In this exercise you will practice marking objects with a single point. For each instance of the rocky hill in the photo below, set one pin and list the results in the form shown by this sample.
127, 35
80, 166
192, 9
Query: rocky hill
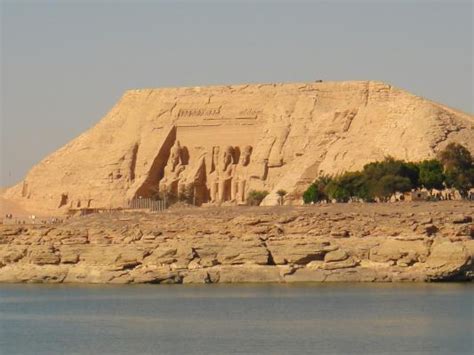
219, 142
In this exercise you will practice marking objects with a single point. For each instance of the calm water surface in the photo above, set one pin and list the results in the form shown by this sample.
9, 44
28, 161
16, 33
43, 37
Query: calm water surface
237, 319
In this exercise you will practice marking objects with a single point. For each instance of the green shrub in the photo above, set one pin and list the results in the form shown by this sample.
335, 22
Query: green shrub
382, 179
431, 174
254, 197
458, 168
317, 190
388, 185
390, 166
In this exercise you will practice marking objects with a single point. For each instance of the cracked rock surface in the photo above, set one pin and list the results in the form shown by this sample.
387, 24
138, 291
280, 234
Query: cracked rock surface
383, 242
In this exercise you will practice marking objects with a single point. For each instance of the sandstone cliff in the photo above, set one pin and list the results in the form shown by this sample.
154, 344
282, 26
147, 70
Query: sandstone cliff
221, 141
349, 242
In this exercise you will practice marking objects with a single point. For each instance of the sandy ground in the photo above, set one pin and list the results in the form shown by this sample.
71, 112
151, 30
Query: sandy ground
393, 211
418, 208
331, 208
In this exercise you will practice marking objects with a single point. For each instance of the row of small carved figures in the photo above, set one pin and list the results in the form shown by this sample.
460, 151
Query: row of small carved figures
197, 112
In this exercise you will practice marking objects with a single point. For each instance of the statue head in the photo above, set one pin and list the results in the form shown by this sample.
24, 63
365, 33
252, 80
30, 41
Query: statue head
245, 157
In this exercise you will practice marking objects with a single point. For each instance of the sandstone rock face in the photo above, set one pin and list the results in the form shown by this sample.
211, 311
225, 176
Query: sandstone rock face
242, 244
219, 142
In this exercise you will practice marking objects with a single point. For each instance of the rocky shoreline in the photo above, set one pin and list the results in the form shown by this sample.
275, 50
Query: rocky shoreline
336, 242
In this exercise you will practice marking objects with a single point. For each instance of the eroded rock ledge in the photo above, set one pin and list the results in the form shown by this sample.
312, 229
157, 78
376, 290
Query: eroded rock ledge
353, 242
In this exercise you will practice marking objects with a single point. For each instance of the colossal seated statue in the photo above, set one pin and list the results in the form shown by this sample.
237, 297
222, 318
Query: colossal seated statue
172, 172
221, 177
192, 184
240, 176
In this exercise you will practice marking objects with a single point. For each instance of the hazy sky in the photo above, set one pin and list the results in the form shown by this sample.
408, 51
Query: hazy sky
65, 63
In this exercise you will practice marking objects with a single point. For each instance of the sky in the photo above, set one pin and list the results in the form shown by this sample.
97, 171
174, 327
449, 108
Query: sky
65, 63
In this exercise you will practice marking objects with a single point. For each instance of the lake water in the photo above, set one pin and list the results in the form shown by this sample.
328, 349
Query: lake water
237, 319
